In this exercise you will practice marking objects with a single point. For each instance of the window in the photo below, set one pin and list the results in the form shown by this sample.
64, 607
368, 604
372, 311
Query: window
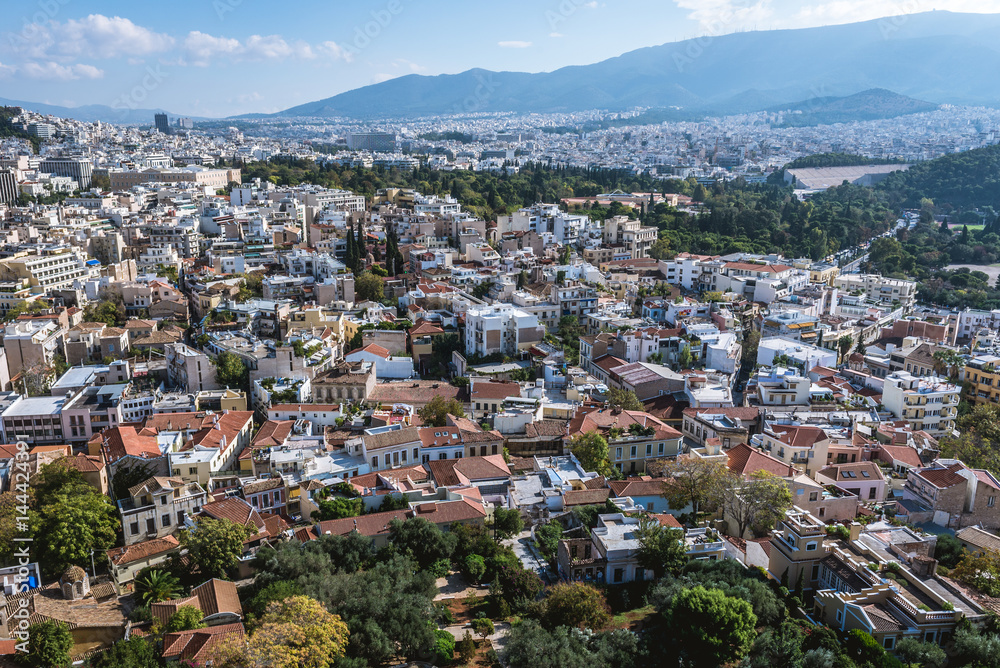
840, 615
618, 453
619, 574
150, 525
133, 528
810, 546
815, 572
633, 451
814, 496
649, 449
890, 643
193, 470
640, 574
165, 520
163, 500
871, 493
661, 448
990, 501
180, 518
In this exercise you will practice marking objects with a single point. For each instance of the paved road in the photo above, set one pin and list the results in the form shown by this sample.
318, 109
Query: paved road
525, 551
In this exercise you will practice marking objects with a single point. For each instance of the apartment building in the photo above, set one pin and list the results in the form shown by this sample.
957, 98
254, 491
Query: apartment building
802, 446
878, 288
953, 495
189, 369
927, 404
50, 269
158, 507
32, 343
632, 235
982, 375
500, 328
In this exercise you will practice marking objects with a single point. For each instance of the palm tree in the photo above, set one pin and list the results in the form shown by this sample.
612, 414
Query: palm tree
157, 585
948, 361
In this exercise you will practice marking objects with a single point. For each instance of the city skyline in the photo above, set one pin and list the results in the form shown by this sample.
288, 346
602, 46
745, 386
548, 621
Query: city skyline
56, 54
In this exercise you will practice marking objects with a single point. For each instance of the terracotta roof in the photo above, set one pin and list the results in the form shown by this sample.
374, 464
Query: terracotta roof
856, 471
798, 436
84, 463
124, 441
597, 482
162, 611
143, 550
585, 497
273, 433
414, 391
235, 510
599, 419
264, 485
668, 520
636, 487
446, 512
979, 538
495, 390
217, 596
745, 460
375, 524
943, 477
451, 472
392, 438
374, 349
195, 646
882, 619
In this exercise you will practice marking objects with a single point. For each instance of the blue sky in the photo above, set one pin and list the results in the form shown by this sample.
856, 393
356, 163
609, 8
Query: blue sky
223, 57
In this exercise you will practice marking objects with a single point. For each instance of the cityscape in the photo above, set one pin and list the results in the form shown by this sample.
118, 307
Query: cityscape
533, 349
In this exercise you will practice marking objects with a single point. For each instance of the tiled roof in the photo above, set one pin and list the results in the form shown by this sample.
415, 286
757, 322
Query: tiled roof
123, 441
84, 463
195, 646
217, 596
495, 390
802, 436
599, 419
636, 487
882, 619
374, 349
745, 460
585, 497
854, 472
147, 548
979, 538
235, 510
451, 472
410, 392
263, 485
446, 512
273, 433
668, 520
943, 477
393, 438
374, 524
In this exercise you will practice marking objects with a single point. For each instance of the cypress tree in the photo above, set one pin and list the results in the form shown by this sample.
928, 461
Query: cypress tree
350, 257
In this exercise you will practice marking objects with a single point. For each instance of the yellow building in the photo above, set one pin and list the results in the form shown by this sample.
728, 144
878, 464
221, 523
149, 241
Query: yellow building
982, 377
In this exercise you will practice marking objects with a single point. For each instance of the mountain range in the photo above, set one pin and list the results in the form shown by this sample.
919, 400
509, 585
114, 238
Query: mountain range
941, 57
932, 58
94, 112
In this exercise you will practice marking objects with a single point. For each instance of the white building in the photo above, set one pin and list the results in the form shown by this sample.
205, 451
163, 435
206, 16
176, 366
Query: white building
500, 328
798, 353
928, 404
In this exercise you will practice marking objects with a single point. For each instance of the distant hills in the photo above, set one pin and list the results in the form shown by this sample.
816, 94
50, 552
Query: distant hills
93, 112
830, 74
941, 57
868, 105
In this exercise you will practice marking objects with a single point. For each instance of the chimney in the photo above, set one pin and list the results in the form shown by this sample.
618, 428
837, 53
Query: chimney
855, 530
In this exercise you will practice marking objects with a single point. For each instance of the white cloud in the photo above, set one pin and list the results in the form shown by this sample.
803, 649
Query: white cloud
335, 52
201, 48
851, 11
6, 71
94, 36
514, 44
719, 17
384, 76
556, 34
58, 72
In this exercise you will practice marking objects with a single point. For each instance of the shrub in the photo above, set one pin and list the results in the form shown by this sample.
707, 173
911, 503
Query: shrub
444, 647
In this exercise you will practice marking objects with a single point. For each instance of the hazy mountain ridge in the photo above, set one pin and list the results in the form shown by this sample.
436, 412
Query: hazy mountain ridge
922, 56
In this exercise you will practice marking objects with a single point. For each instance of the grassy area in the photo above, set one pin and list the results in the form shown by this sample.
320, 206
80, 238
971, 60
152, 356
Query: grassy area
972, 228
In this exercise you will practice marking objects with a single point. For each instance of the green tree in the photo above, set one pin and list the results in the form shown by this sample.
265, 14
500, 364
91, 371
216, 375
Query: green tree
844, 344
231, 370
576, 604
475, 567
186, 618
136, 652
271, 593
49, 644
661, 549
444, 647
591, 449
507, 522
755, 504
369, 287
215, 546
421, 541
717, 629
483, 627
916, 654
948, 551
337, 508
981, 571
74, 520
685, 357
515, 586
466, 648
155, 585
436, 411
690, 480
625, 400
